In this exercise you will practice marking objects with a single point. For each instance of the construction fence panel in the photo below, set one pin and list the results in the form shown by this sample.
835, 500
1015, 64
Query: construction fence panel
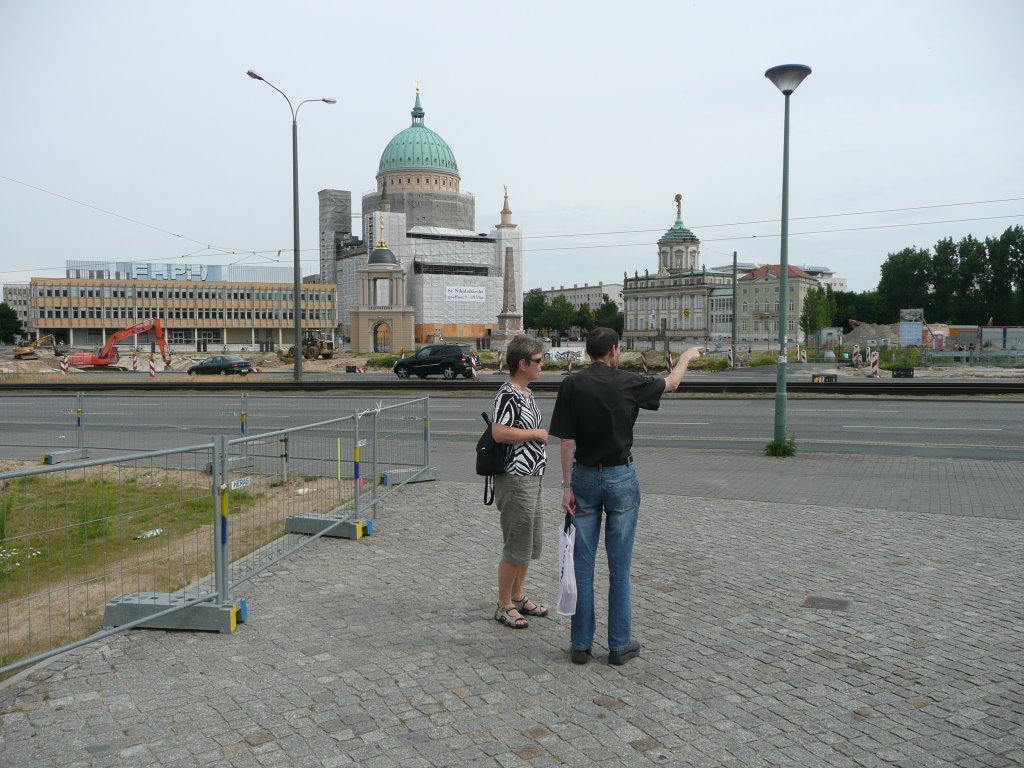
321, 479
163, 531
41, 425
74, 537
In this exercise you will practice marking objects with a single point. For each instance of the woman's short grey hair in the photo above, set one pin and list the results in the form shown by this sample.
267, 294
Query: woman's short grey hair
522, 348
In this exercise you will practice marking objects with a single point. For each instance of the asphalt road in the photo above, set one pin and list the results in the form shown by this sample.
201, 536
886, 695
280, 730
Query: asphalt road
975, 429
923, 427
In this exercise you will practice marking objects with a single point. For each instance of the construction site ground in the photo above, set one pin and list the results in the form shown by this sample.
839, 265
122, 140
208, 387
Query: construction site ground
268, 362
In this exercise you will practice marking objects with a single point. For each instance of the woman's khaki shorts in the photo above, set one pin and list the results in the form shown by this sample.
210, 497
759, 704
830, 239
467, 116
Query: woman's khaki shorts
522, 525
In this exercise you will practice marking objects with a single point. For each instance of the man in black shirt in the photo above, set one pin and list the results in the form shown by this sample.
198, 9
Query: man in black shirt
594, 417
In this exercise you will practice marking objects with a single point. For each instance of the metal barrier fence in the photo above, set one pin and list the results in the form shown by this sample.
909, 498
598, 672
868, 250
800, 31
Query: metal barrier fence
161, 538
35, 425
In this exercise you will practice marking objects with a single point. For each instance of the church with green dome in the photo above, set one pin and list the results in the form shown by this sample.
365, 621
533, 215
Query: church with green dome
451, 282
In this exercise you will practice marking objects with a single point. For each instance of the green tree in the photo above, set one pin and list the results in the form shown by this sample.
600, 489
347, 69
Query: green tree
1006, 257
945, 282
1002, 282
558, 315
584, 318
534, 304
608, 315
818, 309
831, 305
906, 276
855, 306
975, 274
10, 325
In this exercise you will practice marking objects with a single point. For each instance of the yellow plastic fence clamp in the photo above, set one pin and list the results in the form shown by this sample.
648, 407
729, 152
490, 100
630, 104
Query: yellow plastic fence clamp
233, 620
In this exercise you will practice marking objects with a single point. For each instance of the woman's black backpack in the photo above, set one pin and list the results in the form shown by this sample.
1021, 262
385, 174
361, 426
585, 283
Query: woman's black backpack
491, 459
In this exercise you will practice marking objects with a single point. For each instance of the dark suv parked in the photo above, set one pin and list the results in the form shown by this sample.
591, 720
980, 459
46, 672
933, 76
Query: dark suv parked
450, 360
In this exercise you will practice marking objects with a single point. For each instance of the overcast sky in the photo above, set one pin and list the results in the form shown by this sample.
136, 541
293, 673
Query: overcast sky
595, 114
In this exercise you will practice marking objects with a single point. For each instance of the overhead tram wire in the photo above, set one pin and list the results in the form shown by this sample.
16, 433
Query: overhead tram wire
125, 218
646, 244
791, 218
225, 251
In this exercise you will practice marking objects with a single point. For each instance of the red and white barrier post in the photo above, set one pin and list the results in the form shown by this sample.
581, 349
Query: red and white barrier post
874, 364
152, 365
64, 366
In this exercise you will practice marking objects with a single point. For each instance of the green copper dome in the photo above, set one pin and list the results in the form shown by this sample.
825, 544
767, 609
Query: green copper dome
418, 148
679, 233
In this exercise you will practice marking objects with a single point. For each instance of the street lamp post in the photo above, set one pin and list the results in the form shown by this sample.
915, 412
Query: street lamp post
297, 277
786, 78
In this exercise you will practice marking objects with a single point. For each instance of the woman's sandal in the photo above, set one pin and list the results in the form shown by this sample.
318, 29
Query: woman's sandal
506, 618
527, 607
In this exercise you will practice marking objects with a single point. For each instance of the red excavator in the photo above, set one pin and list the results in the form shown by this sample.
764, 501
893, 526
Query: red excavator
107, 356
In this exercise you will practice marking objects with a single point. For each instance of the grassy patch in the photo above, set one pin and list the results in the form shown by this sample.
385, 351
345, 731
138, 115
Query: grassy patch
382, 361
781, 448
764, 358
62, 529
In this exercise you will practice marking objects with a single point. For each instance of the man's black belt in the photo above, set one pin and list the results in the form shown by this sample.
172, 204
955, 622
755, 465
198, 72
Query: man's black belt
606, 464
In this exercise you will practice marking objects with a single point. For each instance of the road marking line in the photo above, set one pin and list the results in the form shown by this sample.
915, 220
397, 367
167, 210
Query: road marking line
641, 441
927, 429
838, 410
678, 423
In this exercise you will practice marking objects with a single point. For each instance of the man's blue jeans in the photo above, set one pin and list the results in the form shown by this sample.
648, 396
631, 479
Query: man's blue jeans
615, 492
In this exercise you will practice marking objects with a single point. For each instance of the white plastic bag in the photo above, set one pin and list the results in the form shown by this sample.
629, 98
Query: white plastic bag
566, 569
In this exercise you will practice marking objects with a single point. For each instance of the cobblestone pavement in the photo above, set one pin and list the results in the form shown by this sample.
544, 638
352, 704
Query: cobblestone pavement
384, 652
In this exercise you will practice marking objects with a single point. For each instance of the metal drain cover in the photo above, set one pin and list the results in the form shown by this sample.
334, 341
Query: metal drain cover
825, 603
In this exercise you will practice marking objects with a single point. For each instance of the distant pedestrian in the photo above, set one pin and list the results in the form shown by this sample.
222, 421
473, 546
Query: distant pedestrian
594, 416
516, 422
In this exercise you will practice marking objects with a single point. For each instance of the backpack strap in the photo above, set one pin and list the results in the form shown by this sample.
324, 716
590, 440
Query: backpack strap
488, 487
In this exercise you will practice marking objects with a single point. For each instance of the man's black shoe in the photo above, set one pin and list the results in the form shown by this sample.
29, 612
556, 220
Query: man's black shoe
631, 651
580, 657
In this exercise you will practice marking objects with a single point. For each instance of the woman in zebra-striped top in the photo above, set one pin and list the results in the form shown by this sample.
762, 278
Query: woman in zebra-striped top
517, 423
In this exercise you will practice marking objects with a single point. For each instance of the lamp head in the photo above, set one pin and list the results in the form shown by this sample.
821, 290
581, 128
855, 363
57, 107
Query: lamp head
788, 76
254, 75
329, 101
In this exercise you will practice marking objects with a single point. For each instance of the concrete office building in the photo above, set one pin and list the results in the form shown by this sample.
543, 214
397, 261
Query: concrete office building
201, 307
16, 296
591, 295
